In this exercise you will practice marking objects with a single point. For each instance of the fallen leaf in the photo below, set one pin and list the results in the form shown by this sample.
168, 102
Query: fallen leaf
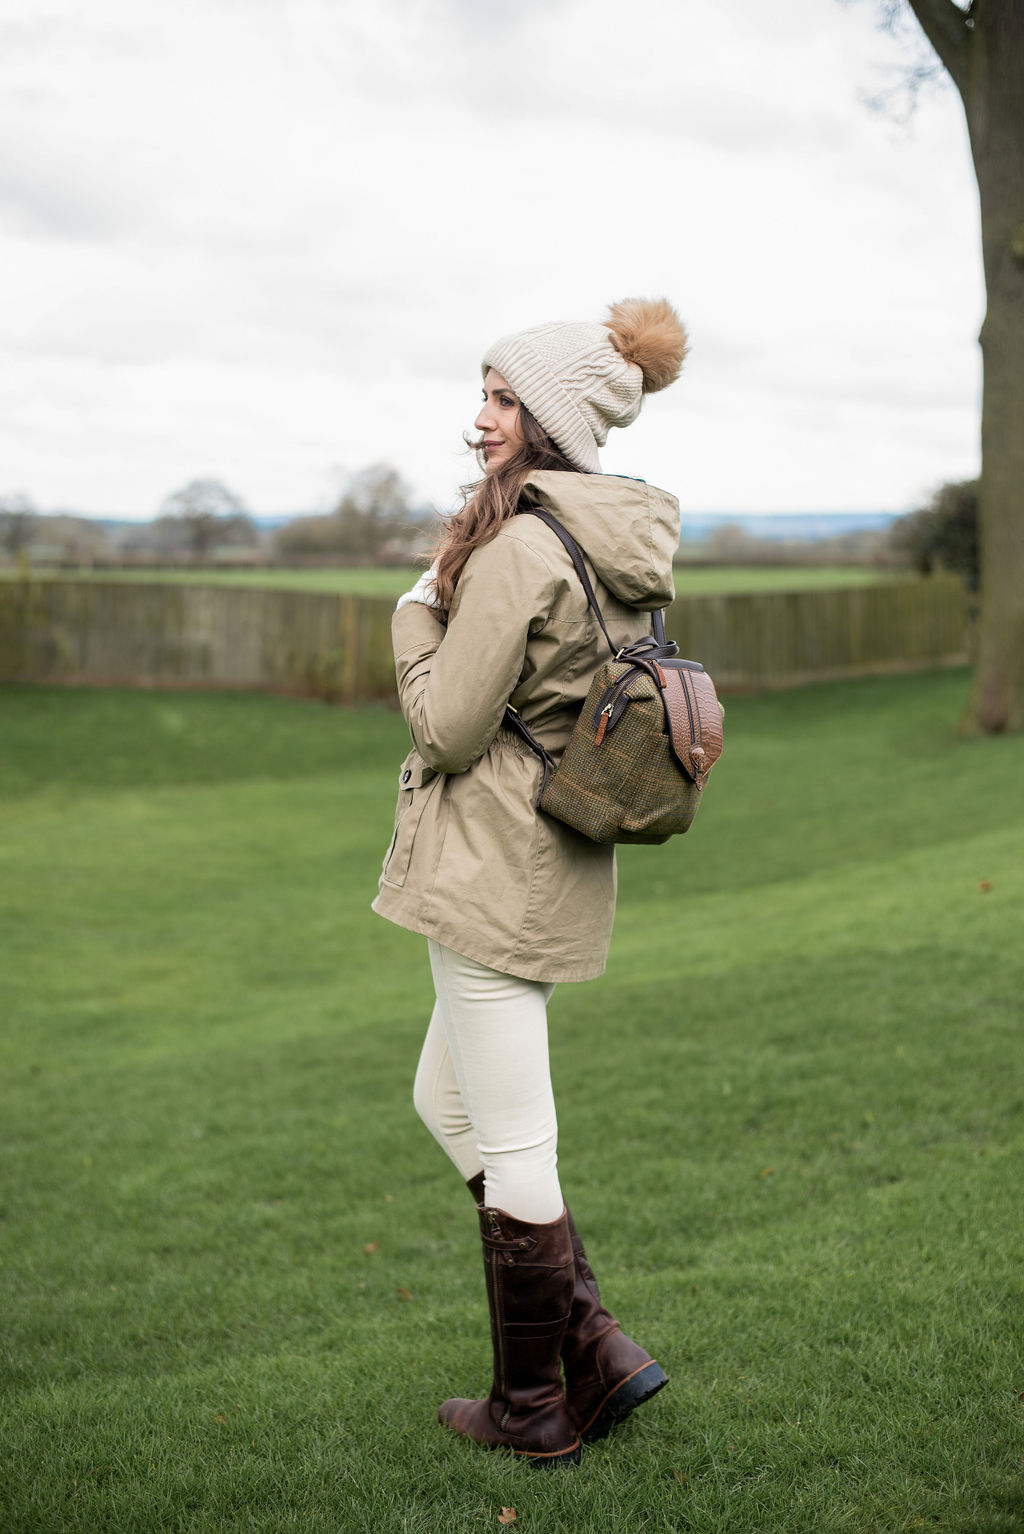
389, 1198
507, 1515
984, 886
681, 1478
403, 1294
371, 1246
220, 1417
768, 1171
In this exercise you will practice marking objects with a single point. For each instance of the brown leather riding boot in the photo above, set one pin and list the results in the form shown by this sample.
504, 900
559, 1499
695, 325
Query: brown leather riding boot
606, 1374
529, 1271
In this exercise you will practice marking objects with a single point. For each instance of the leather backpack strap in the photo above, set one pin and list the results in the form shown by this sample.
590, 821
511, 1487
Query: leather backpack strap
575, 553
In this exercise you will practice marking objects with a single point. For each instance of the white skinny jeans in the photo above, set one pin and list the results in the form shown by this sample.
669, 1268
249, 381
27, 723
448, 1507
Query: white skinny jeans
483, 1085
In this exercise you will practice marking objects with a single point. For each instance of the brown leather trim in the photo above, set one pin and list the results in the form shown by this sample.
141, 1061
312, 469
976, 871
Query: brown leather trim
694, 719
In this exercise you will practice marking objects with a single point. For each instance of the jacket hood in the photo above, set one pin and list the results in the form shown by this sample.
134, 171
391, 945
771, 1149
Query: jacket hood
628, 530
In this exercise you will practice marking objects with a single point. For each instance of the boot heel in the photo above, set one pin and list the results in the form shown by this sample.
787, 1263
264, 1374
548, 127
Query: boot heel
633, 1392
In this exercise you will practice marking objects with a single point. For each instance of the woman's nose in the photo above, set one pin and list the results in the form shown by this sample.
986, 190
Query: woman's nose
485, 419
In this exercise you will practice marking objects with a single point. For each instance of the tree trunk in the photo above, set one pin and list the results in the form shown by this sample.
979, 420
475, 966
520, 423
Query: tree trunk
983, 50
995, 119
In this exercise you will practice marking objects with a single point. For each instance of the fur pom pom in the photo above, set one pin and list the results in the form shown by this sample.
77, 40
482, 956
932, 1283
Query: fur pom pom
649, 332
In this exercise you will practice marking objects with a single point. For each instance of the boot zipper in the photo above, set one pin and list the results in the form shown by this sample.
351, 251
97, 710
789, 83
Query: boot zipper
499, 1330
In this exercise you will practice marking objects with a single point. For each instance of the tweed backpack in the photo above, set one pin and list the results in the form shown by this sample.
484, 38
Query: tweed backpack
648, 735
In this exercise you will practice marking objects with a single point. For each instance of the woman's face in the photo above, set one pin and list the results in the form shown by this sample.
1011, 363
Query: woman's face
498, 422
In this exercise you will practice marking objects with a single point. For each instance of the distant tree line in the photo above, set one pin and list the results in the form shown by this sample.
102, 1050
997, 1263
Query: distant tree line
731, 544
374, 522
942, 536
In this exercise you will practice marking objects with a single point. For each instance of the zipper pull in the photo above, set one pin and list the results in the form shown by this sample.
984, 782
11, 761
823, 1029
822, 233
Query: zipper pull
602, 724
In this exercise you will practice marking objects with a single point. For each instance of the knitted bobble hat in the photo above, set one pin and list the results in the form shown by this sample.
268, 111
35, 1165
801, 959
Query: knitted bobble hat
578, 380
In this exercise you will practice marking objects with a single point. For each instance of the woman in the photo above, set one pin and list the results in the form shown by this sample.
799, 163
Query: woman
510, 900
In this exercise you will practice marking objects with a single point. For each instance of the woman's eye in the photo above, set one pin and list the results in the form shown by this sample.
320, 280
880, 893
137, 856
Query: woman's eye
506, 403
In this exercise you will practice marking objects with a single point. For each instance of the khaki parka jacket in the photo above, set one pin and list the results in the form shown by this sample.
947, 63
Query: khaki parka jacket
472, 863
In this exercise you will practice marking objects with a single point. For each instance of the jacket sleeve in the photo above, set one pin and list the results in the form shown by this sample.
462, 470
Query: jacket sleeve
454, 681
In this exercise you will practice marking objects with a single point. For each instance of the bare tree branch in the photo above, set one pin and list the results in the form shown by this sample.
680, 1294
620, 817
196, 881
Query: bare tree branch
921, 71
947, 28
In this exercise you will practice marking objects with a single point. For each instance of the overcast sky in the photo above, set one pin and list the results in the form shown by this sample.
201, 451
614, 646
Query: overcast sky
268, 241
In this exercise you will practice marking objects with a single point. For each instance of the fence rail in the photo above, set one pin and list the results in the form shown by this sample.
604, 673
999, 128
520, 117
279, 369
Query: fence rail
760, 640
338, 647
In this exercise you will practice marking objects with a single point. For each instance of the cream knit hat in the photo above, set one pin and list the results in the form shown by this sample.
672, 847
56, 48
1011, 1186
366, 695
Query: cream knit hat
577, 380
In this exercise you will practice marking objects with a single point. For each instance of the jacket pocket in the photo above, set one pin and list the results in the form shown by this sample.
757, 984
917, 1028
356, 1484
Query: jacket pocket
416, 781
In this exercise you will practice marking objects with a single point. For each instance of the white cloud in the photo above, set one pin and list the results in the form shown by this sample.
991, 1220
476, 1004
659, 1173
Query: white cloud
257, 239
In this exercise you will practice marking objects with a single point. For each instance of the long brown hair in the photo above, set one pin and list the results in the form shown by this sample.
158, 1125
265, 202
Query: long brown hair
489, 502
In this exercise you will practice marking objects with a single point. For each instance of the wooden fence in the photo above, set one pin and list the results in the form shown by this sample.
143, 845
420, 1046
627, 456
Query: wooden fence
306, 642
339, 647
760, 640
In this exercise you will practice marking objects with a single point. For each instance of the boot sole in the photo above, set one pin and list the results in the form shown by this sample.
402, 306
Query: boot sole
625, 1398
538, 1461
552, 1461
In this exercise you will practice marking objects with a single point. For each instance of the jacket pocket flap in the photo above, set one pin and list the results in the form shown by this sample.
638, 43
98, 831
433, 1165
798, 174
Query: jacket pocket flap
415, 772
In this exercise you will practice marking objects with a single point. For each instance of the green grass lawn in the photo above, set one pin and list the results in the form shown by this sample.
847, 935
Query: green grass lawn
237, 1276
392, 581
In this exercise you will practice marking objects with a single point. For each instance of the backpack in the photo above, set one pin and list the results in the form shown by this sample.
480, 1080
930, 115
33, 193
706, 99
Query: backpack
648, 735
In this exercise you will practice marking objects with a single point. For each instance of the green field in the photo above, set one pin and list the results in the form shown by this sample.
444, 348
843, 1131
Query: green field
392, 581
237, 1276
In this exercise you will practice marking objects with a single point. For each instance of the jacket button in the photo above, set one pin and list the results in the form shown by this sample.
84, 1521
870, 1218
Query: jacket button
406, 775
